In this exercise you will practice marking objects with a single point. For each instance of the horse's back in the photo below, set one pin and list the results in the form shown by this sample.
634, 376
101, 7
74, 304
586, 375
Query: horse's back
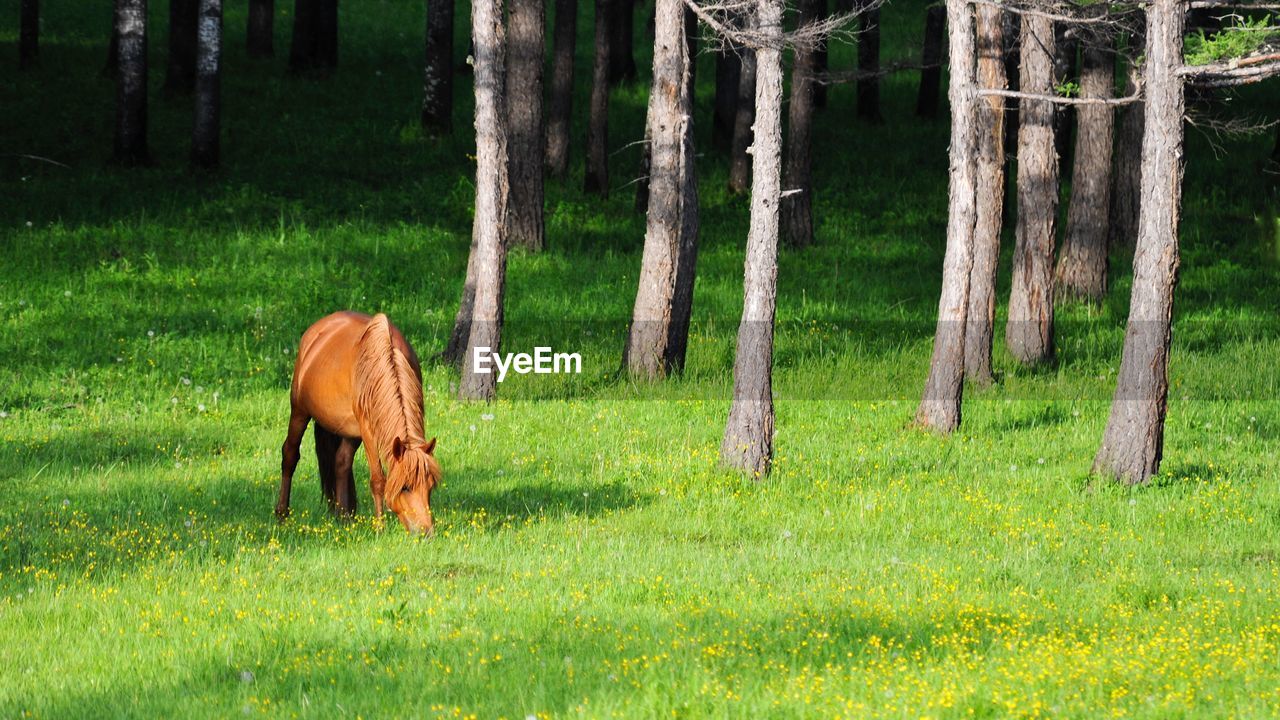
322, 374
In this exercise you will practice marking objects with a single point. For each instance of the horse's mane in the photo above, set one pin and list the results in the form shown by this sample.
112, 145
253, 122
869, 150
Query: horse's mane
387, 390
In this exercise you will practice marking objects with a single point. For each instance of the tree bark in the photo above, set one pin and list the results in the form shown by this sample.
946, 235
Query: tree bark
940, 407
437, 73
931, 58
622, 57
180, 76
989, 211
1066, 51
728, 72
797, 207
456, 346
743, 121
1082, 262
131, 82
261, 31
302, 49
205, 137
1126, 177
869, 60
1029, 332
526, 43
748, 434
1133, 442
488, 244
29, 34
597, 175
658, 336
560, 108
821, 60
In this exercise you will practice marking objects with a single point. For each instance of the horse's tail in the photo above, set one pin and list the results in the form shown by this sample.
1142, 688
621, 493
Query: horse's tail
387, 391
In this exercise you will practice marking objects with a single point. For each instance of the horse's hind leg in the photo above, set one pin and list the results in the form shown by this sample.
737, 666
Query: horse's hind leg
346, 480
327, 445
289, 455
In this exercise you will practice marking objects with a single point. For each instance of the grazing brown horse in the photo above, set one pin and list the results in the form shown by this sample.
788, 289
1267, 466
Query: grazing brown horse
360, 381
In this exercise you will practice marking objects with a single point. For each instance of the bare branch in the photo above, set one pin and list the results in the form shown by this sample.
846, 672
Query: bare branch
1059, 99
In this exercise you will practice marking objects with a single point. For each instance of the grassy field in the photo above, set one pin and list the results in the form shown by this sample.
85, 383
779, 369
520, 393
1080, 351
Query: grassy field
591, 558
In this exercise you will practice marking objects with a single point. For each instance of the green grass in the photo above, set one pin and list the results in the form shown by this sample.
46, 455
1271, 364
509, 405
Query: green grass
592, 559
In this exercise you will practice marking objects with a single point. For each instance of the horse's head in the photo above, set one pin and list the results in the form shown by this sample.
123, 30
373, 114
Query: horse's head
412, 475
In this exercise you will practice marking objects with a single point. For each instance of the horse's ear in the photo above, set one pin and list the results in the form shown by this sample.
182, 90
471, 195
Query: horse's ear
397, 448
430, 446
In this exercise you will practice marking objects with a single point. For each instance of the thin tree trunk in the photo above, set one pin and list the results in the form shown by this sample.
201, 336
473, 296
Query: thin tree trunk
980, 317
743, 122
180, 76
1082, 262
29, 34
935, 21
437, 73
113, 52
261, 30
658, 336
488, 244
1012, 73
302, 49
456, 346
205, 137
797, 207
131, 82
560, 108
622, 58
597, 175
748, 434
728, 71
326, 29
821, 59
1133, 442
526, 43
1126, 177
1029, 332
940, 407
869, 61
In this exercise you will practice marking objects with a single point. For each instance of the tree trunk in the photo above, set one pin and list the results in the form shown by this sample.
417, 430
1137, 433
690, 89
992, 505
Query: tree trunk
1066, 50
869, 61
748, 434
29, 34
821, 60
797, 207
1029, 332
113, 52
489, 251
131, 82
1082, 262
456, 346
989, 211
743, 121
326, 29
437, 73
560, 108
526, 43
622, 57
302, 50
935, 20
261, 31
180, 77
1012, 71
205, 145
1126, 177
658, 336
597, 175
940, 407
1133, 442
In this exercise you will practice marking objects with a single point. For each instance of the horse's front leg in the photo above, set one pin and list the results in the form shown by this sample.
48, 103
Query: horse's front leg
377, 481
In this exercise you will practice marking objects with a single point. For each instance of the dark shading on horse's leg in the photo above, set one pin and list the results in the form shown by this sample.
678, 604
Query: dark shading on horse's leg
345, 479
289, 455
327, 445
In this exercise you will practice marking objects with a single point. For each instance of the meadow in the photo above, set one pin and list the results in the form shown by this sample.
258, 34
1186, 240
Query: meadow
591, 557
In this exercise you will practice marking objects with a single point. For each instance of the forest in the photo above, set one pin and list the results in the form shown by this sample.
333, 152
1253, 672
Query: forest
902, 358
